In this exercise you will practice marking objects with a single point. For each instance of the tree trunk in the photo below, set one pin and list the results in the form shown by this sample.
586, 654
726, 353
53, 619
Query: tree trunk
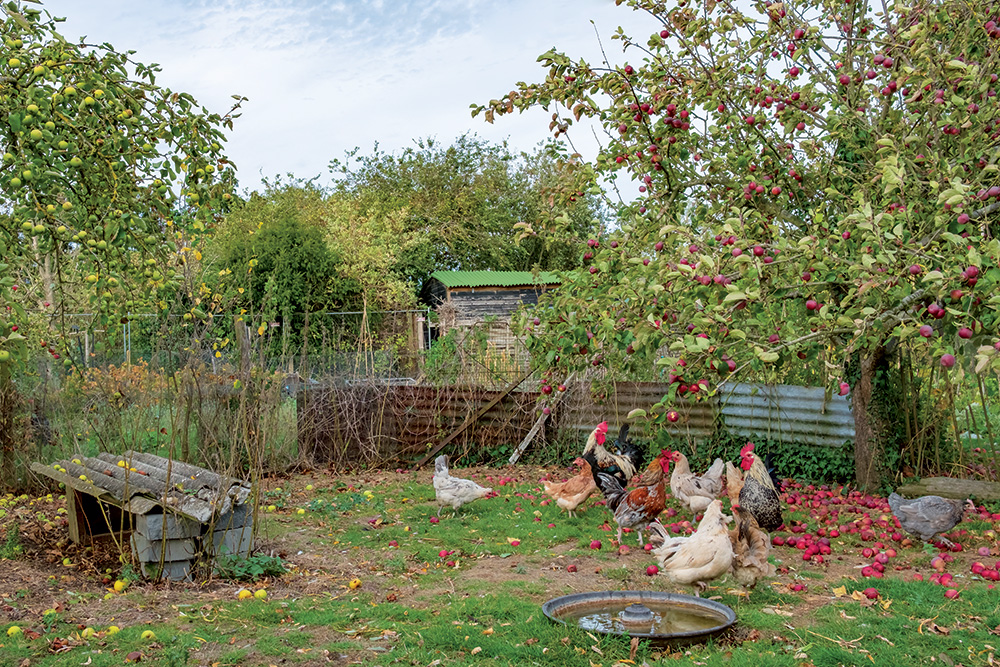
869, 454
9, 403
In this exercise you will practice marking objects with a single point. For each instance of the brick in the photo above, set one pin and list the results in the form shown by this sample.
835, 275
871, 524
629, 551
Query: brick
237, 517
234, 542
179, 570
150, 551
169, 526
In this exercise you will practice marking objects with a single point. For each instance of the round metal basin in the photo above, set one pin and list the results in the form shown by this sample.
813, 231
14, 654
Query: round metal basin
667, 618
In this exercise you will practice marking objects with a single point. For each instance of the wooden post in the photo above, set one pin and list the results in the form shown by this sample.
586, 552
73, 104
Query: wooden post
243, 345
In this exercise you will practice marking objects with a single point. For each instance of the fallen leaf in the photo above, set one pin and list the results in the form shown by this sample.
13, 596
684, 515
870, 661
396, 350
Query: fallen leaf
840, 591
476, 650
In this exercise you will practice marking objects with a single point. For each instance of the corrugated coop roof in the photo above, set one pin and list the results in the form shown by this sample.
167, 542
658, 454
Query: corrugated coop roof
494, 278
142, 483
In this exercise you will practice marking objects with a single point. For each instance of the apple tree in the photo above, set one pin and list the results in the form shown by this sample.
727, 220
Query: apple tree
98, 162
815, 181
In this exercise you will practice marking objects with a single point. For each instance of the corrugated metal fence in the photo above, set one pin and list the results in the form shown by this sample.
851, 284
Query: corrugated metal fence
787, 413
778, 412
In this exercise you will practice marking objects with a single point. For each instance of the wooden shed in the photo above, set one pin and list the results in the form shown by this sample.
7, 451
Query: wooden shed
476, 296
484, 299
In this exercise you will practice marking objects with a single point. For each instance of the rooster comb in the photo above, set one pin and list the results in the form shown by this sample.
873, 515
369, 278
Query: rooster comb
602, 427
747, 448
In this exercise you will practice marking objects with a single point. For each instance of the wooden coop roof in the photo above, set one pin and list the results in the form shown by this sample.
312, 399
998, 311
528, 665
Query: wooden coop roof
142, 483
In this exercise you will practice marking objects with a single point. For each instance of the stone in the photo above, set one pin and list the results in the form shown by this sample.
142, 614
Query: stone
169, 526
237, 517
174, 570
151, 551
233, 542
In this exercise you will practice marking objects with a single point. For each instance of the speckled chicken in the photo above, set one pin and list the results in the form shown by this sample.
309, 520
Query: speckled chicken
758, 494
928, 516
573, 492
696, 559
751, 547
640, 505
695, 491
454, 491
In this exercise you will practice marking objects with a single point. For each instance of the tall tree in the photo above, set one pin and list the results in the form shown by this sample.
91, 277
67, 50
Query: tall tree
97, 160
811, 180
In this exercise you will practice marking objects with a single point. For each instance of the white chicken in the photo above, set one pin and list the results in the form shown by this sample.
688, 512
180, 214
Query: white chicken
699, 558
693, 491
454, 491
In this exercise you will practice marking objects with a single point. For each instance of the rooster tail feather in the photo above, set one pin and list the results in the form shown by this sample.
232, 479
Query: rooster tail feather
611, 488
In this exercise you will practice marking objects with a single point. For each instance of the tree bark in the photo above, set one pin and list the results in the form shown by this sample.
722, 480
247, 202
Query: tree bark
869, 454
9, 403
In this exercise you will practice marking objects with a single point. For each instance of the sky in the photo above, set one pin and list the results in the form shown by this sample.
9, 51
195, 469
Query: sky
326, 76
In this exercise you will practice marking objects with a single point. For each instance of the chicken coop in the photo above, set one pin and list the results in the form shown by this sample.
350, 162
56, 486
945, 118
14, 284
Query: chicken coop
173, 514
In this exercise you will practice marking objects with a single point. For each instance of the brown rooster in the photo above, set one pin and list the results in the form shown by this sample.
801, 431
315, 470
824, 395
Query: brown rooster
758, 494
639, 506
573, 492
751, 547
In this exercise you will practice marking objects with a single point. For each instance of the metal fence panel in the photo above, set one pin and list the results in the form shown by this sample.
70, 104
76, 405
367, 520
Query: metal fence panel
787, 413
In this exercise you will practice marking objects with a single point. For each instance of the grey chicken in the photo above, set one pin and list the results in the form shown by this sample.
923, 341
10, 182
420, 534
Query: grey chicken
928, 516
454, 491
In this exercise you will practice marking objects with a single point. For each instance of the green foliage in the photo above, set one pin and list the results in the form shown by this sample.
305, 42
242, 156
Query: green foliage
799, 461
457, 207
249, 568
290, 271
99, 163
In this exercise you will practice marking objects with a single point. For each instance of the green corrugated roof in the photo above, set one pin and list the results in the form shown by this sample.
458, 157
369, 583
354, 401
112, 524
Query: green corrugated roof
494, 278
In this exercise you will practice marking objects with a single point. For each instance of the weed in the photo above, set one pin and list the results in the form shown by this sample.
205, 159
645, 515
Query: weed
11, 549
243, 568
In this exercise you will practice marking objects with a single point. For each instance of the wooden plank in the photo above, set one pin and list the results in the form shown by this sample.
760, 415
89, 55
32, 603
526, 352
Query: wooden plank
472, 419
952, 487
537, 427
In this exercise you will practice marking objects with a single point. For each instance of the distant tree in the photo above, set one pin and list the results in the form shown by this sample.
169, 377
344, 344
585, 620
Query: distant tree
282, 268
459, 207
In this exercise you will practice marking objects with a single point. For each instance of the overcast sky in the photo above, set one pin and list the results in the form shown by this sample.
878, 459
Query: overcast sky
325, 76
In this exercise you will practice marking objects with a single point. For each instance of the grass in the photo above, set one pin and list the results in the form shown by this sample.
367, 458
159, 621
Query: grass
484, 609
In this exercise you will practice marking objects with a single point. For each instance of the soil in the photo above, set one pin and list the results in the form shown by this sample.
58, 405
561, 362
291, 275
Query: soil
37, 580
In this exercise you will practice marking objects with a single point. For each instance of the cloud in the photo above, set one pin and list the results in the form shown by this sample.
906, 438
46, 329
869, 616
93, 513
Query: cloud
325, 76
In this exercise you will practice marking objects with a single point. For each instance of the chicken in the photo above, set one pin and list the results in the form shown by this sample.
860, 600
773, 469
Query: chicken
758, 494
734, 484
701, 557
751, 547
623, 465
928, 516
570, 494
639, 506
693, 491
454, 491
